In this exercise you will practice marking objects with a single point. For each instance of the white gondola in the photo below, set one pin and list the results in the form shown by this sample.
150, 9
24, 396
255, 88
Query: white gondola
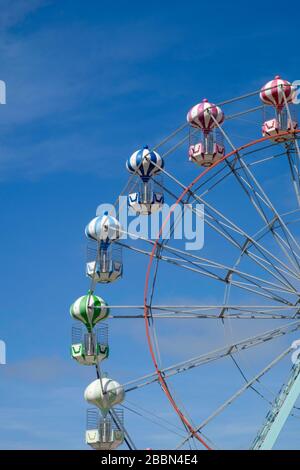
103, 433
146, 200
89, 348
275, 127
104, 263
104, 393
148, 197
108, 268
205, 150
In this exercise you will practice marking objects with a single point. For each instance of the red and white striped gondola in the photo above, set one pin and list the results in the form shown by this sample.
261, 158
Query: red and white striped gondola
278, 93
205, 116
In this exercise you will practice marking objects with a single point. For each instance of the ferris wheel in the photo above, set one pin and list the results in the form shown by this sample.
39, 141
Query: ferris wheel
220, 313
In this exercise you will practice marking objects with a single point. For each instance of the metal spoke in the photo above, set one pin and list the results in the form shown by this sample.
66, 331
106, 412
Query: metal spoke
251, 183
230, 400
194, 267
262, 195
223, 223
264, 312
214, 355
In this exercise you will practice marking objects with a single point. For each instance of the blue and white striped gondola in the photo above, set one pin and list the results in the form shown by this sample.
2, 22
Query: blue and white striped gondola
105, 267
146, 165
103, 229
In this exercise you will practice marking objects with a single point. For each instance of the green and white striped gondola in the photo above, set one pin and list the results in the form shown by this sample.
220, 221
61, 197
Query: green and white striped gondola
90, 310
89, 358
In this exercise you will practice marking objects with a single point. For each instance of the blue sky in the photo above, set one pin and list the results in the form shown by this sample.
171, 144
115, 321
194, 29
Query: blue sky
87, 84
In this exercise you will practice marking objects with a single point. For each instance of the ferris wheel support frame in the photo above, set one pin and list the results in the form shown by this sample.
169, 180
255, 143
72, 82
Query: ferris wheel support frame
277, 416
192, 430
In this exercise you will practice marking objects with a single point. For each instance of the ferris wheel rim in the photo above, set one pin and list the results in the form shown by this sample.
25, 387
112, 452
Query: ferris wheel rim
161, 379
